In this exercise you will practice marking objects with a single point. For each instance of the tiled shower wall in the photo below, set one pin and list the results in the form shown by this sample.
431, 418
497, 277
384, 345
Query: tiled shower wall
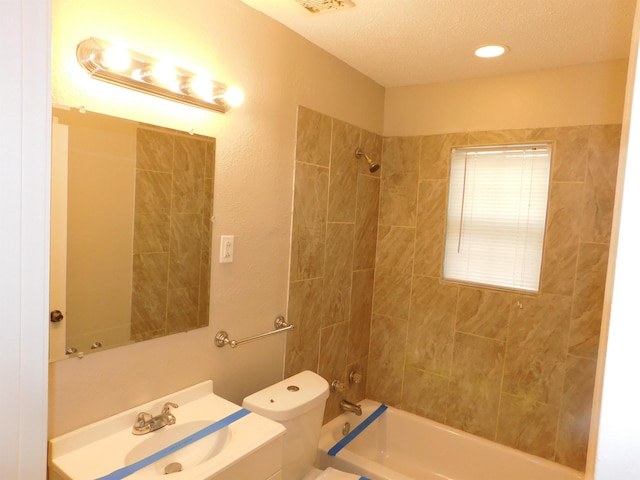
172, 232
333, 252
517, 369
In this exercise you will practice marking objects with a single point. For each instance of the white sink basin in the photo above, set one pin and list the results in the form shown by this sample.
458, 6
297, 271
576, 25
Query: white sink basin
249, 447
184, 458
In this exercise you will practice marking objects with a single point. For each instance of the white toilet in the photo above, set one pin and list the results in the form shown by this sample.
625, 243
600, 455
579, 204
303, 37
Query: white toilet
297, 403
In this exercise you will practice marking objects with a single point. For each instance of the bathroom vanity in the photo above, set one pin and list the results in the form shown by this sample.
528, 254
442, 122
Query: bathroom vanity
211, 438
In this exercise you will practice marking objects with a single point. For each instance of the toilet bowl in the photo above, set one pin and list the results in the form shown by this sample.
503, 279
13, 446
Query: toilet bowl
298, 403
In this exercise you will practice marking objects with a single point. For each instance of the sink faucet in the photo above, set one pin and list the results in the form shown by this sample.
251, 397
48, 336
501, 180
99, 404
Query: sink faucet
347, 406
146, 423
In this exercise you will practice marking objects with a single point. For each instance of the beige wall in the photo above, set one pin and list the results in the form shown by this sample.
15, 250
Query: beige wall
253, 185
590, 94
518, 369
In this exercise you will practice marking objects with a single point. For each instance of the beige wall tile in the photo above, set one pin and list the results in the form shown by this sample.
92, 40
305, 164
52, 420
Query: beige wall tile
399, 187
154, 150
187, 190
527, 425
398, 198
600, 183
343, 172
313, 140
431, 227
210, 159
575, 413
367, 207
182, 309
186, 247
435, 154
153, 192
152, 211
421, 385
571, 148
360, 320
586, 316
305, 312
151, 232
431, 325
337, 273
474, 391
484, 312
309, 221
386, 359
402, 154
204, 288
536, 348
207, 213
149, 295
394, 264
562, 238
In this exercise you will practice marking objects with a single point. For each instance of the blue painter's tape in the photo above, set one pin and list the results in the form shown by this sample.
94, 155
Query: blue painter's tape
214, 427
357, 431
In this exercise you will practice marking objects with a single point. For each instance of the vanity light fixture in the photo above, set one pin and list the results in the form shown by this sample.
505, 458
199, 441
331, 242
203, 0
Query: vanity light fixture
134, 70
491, 51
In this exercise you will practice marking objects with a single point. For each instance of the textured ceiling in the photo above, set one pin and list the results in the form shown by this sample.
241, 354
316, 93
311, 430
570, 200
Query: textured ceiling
416, 42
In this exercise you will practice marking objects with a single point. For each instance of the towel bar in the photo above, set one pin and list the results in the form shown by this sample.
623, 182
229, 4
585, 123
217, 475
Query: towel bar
280, 325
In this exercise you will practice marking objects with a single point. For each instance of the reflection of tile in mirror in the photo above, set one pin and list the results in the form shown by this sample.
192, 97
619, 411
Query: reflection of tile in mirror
173, 209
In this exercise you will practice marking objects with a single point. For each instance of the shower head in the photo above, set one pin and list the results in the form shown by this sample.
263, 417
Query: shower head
373, 167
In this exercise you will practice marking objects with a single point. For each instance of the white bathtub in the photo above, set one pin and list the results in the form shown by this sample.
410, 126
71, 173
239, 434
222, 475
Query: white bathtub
402, 446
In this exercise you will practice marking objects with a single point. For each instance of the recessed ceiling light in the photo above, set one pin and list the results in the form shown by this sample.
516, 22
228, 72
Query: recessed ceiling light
490, 51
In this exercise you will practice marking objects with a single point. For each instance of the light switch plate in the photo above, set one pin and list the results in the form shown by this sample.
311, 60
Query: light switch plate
226, 248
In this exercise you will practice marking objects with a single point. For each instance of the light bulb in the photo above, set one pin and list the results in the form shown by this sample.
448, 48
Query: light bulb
491, 51
164, 73
234, 96
138, 75
203, 87
116, 58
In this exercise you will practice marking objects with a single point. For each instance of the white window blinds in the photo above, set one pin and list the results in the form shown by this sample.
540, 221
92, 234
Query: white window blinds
496, 215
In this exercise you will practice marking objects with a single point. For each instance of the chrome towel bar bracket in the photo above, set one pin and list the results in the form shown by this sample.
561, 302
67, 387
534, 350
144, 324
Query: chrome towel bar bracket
280, 325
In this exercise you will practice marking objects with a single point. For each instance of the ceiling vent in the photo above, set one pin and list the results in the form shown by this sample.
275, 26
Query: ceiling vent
323, 6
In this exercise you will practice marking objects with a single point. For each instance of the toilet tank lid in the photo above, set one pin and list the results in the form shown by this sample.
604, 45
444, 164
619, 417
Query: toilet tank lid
289, 398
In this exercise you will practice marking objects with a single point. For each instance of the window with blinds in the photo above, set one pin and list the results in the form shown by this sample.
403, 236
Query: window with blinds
496, 215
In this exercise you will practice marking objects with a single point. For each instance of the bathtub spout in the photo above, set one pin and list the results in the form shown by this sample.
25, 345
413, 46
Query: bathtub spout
347, 406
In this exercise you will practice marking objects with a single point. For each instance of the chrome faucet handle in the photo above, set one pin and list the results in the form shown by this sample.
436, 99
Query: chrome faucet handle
166, 412
168, 406
337, 386
142, 420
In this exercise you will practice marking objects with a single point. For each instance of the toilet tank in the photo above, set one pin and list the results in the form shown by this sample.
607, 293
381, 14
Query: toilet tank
297, 403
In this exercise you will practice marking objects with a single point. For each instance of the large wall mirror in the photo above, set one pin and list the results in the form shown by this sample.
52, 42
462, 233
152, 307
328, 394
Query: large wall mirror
130, 232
